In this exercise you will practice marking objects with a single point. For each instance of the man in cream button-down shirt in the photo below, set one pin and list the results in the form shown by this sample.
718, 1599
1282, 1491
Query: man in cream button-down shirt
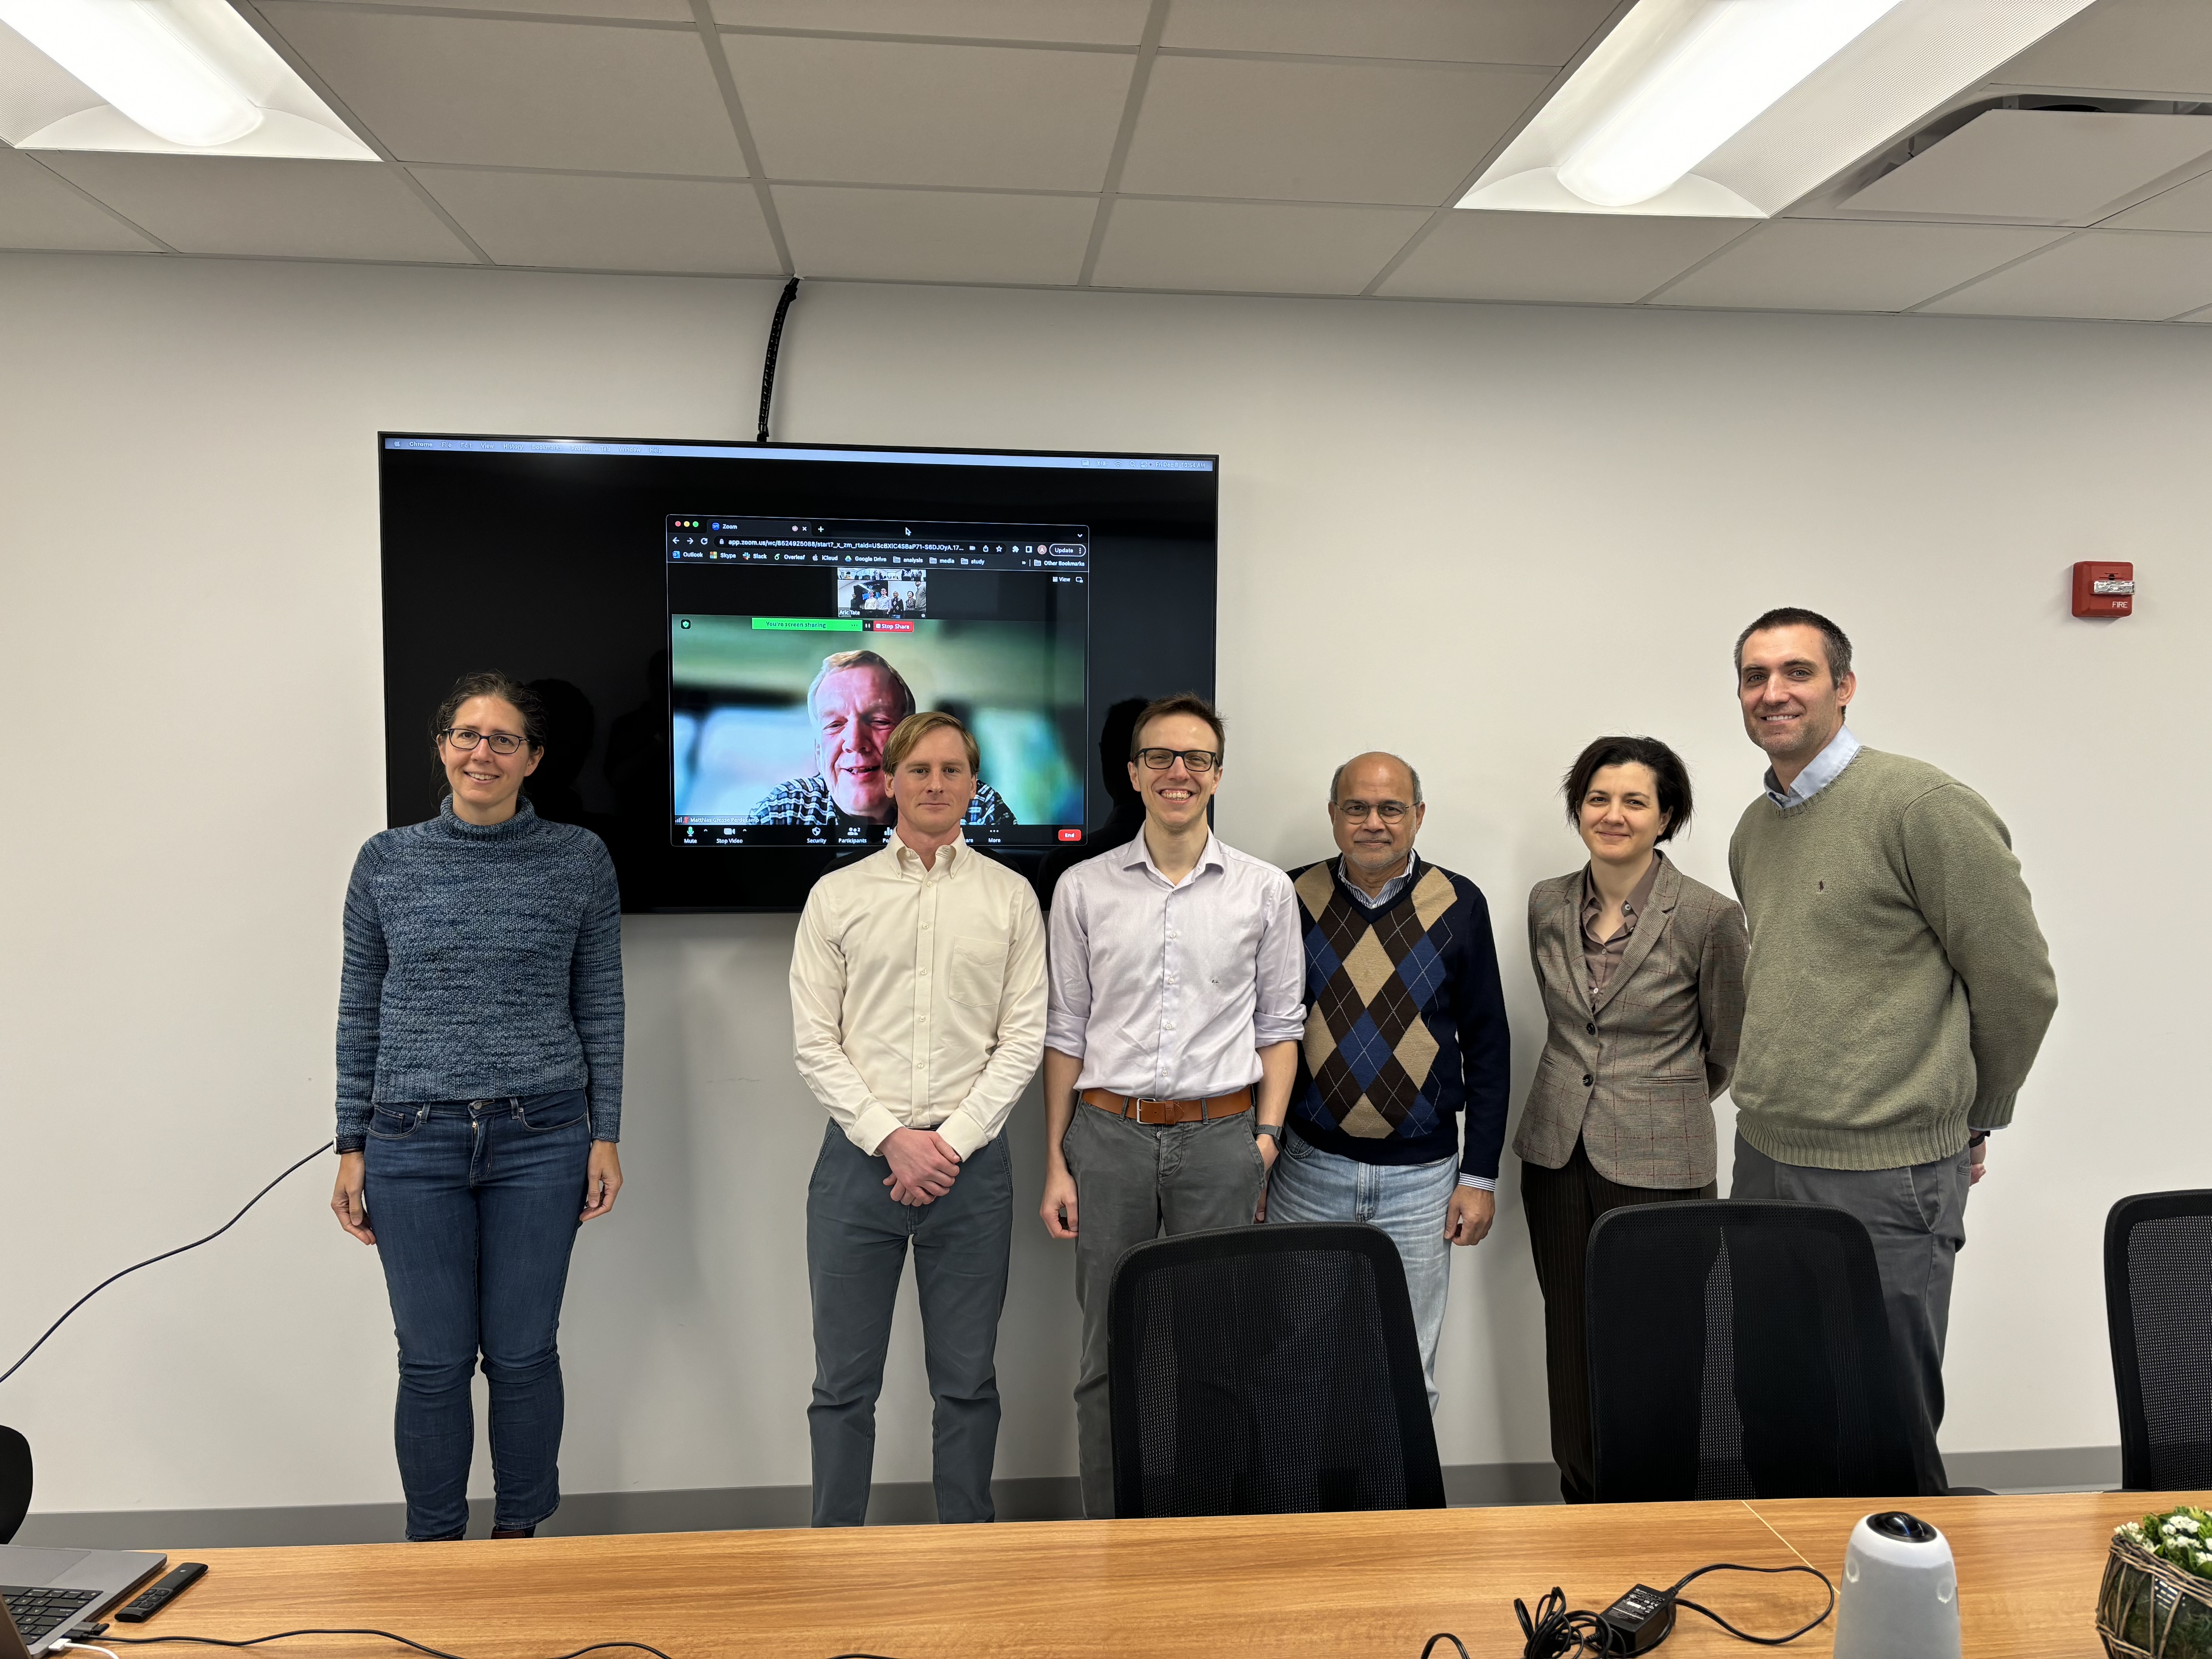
918, 1007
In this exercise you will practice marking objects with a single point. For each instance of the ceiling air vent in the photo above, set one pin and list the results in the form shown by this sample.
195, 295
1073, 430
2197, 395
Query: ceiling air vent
2045, 167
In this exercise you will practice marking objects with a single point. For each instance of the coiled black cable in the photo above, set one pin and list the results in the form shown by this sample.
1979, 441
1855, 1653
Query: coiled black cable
775, 343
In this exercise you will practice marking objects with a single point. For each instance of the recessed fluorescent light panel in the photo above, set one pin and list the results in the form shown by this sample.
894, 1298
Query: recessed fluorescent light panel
1734, 109
178, 77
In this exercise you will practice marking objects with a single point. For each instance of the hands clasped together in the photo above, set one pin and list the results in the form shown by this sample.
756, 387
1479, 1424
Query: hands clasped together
923, 1165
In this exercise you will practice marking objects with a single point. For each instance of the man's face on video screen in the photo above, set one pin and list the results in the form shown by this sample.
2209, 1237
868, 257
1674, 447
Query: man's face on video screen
854, 712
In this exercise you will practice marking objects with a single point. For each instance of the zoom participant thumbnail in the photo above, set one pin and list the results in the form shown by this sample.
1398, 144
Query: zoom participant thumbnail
796, 647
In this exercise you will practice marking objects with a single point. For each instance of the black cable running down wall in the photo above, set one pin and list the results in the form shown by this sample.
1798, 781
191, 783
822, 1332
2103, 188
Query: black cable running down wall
164, 1256
775, 340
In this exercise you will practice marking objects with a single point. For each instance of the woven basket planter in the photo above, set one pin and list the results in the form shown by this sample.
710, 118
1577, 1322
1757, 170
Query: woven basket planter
2151, 1609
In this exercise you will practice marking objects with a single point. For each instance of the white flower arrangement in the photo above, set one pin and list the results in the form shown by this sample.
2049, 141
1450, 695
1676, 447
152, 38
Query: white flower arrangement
2178, 1537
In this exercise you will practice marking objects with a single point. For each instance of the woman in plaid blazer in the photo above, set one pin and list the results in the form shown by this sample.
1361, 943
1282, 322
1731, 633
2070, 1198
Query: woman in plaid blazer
1642, 974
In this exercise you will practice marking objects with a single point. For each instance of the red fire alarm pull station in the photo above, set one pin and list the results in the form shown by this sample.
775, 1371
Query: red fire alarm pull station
2103, 589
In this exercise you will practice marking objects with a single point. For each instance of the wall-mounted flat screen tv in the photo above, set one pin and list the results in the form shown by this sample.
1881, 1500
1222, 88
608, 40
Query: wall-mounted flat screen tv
724, 636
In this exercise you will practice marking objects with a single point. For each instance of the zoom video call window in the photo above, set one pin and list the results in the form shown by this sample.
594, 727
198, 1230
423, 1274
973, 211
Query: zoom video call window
723, 635
796, 645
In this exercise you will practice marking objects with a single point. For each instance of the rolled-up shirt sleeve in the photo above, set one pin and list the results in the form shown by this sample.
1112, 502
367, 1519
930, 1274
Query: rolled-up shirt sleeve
1067, 1009
1019, 1047
1278, 1009
818, 1020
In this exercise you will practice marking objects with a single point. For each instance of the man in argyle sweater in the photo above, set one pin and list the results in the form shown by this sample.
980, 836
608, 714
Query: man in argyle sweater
1405, 1031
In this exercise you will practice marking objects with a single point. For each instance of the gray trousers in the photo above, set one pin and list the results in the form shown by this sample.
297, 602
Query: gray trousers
856, 1242
1132, 1182
1916, 1216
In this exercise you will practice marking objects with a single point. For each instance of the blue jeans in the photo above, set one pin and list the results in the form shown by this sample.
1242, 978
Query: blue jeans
474, 1205
1409, 1201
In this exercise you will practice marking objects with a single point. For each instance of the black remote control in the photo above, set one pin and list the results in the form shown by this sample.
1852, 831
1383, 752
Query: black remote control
163, 1592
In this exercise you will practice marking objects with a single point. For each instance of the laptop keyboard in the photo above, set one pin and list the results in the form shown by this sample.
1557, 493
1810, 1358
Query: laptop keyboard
39, 1613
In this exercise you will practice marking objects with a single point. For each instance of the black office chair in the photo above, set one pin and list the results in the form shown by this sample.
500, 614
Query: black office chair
1268, 1371
1741, 1350
2158, 1303
15, 1482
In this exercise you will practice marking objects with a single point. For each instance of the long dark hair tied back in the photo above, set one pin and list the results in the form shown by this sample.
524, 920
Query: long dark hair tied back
489, 683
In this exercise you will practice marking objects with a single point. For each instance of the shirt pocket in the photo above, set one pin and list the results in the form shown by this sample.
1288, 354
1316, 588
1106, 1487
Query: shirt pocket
977, 973
1224, 952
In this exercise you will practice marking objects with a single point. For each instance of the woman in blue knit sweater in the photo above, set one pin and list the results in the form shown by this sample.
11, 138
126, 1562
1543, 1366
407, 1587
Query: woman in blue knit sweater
479, 1100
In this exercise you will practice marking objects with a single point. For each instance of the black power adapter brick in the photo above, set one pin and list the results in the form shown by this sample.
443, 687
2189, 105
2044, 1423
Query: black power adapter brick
1639, 1621
1636, 1623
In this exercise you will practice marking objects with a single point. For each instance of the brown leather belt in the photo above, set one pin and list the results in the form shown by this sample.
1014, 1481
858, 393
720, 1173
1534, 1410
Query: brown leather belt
1138, 1108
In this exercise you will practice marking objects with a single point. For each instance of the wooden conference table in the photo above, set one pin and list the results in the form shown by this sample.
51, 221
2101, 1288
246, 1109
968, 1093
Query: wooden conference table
1285, 1587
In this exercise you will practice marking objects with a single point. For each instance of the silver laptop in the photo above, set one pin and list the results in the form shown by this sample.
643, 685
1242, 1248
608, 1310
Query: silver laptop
50, 1592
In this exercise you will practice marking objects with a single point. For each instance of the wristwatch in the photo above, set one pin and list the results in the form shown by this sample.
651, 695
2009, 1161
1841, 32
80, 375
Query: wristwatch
1273, 1131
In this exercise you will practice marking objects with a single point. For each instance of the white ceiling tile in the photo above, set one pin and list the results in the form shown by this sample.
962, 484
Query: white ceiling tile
1598, 259
2051, 166
1320, 132
501, 94
2138, 274
1811, 265
250, 204
1274, 248
935, 236
2186, 207
652, 11
888, 112
37, 210
2124, 46
608, 224
1101, 22
1548, 32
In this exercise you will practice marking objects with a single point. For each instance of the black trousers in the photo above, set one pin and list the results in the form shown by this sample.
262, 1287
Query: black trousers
1563, 1204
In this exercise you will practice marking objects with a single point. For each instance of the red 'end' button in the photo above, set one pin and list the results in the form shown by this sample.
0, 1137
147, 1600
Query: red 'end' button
1071, 835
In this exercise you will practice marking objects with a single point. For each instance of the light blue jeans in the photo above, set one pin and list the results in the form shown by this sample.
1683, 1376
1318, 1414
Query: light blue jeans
1409, 1201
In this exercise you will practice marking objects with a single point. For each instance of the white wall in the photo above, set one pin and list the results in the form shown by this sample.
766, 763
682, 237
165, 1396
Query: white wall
1480, 535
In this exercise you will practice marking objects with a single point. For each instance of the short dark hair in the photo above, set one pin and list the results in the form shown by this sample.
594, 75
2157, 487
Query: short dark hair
1665, 766
1791, 616
1183, 703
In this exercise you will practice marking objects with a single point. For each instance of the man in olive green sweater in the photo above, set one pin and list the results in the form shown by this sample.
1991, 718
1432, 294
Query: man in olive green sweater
1897, 990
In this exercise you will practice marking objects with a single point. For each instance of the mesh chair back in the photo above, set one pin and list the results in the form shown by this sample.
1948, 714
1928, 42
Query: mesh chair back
15, 1482
1268, 1371
1741, 1350
2158, 1301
